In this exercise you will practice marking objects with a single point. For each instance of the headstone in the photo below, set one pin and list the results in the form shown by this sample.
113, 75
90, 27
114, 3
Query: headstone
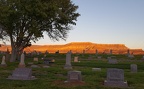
46, 52
35, 59
22, 74
35, 66
74, 76
3, 63
47, 61
83, 51
96, 52
108, 58
89, 58
112, 61
45, 66
111, 51
96, 69
68, 61
22, 63
115, 78
131, 56
128, 52
57, 52
99, 57
30, 63
133, 68
76, 59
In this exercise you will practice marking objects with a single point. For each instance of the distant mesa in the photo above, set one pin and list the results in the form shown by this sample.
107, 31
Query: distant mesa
79, 47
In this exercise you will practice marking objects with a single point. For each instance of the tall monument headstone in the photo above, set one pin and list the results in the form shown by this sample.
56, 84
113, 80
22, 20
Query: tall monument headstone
128, 52
68, 61
22, 63
111, 51
96, 52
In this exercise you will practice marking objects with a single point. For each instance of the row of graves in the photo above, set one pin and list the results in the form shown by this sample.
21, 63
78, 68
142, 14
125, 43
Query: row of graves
115, 76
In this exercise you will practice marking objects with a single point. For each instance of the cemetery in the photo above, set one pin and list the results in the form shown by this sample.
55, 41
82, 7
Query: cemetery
28, 62
63, 73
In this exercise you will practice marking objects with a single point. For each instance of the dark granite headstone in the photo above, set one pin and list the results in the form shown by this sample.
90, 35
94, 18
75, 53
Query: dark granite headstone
133, 68
48, 60
22, 74
74, 76
112, 61
115, 78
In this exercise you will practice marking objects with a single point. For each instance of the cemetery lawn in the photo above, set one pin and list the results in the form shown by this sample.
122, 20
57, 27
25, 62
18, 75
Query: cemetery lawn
55, 76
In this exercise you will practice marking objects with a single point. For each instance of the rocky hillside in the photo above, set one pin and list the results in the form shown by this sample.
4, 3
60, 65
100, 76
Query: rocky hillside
80, 47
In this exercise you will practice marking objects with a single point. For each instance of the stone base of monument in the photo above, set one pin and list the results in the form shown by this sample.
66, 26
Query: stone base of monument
115, 83
67, 67
22, 74
21, 66
3, 65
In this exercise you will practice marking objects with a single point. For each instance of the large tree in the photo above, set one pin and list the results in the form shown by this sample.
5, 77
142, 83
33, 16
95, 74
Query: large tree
24, 21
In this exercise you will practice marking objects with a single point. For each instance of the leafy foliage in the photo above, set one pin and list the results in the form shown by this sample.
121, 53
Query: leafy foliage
23, 21
26, 20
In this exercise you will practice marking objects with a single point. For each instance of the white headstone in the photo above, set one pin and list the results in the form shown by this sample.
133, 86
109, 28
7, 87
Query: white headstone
3, 63
22, 63
68, 61
76, 59
115, 78
36, 59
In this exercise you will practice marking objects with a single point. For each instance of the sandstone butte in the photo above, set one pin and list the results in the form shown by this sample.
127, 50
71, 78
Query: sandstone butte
79, 47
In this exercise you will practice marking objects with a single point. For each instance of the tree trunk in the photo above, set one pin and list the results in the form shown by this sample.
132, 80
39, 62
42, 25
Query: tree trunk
13, 54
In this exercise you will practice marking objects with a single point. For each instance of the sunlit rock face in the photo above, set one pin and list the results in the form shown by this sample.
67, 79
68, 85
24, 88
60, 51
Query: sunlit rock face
79, 47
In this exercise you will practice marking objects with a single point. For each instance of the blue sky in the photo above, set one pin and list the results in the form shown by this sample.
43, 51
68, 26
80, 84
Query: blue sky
107, 22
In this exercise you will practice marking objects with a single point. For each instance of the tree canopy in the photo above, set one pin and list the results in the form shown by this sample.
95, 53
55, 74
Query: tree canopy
23, 21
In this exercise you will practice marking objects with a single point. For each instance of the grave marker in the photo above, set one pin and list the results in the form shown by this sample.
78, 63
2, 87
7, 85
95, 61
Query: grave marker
3, 63
22, 74
133, 68
35, 59
76, 59
74, 76
112, 61
115, 78
22, 63
96, 69
68, 61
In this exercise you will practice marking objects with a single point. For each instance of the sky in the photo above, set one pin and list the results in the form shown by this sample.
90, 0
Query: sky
107, 22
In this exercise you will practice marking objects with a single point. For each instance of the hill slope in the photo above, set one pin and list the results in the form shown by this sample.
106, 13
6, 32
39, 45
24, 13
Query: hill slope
80, 47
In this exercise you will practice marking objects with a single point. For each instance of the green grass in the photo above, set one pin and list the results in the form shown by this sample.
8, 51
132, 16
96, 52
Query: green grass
46, 77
